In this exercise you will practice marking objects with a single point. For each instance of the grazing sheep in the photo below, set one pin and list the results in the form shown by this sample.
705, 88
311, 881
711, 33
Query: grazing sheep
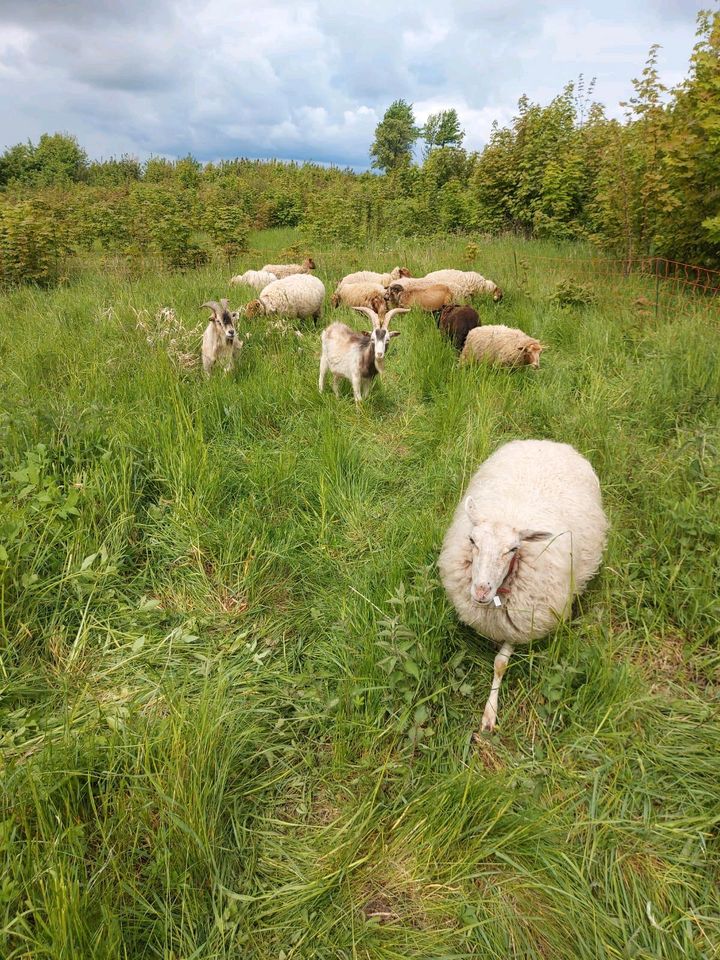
361, 294
457, 321
255, 278
464, 283
530, 529
219, 342
431, 298
299, 295
384, 278
289, 269
359, 357
501, 344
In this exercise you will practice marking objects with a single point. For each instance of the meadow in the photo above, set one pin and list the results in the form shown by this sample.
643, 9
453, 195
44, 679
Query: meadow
236, 707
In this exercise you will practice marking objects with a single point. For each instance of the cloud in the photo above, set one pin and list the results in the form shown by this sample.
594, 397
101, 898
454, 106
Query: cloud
308, 79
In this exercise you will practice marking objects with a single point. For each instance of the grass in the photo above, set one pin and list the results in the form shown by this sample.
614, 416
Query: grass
204, 587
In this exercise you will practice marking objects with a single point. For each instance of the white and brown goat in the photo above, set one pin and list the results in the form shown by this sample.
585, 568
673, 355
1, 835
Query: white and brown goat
220, 343
357, 356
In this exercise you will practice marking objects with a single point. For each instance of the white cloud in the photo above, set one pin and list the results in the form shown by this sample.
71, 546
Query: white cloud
311, 78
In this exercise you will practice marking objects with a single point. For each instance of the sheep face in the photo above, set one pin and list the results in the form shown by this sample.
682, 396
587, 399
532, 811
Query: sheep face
309, 264
530, 353
493, 550
254, 309
393, 294
497, 294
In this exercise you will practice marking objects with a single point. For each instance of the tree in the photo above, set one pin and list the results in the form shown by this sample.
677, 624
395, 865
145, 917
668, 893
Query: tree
394, 137
442, 130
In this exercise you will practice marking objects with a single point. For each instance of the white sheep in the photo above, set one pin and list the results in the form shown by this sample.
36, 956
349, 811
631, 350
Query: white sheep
254, 278
530, 529
359, 357
220, 342
370, 275
364, 293
500, 344
289, 269
300, 295
464, 283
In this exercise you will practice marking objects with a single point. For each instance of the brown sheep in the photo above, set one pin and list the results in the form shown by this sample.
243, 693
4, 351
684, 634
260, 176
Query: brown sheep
430, 298
457, 321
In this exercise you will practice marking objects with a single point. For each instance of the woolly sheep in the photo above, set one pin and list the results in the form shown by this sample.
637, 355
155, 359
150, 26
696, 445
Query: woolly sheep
431, 298
370, 275
219, 342
464, 283
359, 357
531, 529
300, 295
361, 294
456, 322
289, 269
254, 278
501, 344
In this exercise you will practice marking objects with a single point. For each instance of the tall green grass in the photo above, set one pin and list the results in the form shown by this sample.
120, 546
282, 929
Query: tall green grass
204, 587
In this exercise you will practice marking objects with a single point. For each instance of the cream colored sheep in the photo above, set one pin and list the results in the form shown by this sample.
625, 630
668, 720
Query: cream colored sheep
526, 538
500, 344
254, 278
370, 275
282, 270
362, 294
464, 283
299, 295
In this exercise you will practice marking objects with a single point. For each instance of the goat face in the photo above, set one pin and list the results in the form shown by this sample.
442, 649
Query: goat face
380, 337
225, 326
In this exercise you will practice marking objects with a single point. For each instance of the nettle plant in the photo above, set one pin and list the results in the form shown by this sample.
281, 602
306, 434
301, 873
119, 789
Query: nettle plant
417, 675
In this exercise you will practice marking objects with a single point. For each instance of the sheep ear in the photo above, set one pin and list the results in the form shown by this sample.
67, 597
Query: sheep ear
533, 535
471, 508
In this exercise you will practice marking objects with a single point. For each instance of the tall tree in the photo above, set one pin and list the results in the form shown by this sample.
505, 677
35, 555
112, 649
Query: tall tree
394, 137
442, 130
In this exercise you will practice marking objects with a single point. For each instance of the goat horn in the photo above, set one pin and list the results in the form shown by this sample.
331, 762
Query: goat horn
225, 304
212, 305
391, 313
371, 313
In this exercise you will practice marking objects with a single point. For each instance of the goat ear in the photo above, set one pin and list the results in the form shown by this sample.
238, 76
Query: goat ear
531, 536
393, 333
471, 508
366, 333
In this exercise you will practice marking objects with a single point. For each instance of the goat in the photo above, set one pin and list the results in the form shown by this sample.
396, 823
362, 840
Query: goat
359, 357
219, 342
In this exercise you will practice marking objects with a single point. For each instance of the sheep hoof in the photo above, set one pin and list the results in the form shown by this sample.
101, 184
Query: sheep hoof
488, 723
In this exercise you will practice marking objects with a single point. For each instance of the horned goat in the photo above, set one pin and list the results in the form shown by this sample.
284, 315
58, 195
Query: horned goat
220, 342
358, 357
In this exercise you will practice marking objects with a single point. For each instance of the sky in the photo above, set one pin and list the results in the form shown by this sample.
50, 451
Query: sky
309, 79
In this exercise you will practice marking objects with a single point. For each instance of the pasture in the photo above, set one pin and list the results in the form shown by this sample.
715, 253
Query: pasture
237, 708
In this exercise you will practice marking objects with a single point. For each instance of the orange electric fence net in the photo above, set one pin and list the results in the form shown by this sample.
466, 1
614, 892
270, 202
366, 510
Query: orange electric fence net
681, 275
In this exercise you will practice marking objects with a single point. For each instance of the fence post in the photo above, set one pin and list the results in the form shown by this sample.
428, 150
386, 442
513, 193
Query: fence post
657, 287
517, 272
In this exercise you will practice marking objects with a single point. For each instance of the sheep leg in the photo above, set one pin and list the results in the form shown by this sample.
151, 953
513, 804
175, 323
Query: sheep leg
491, 707
323, 372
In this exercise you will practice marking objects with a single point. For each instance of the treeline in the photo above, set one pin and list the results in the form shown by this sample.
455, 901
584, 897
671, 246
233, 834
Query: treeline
649, 185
